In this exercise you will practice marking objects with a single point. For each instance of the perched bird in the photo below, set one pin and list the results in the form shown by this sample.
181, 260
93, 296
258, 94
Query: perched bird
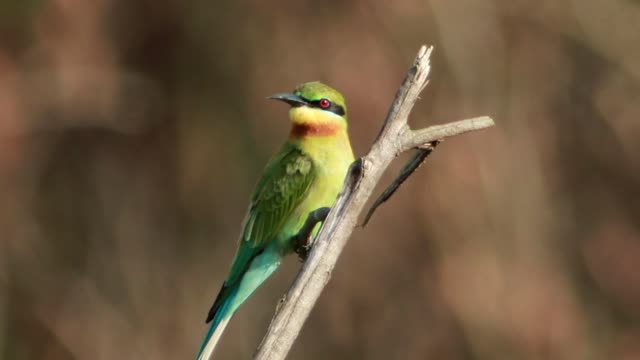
306, 174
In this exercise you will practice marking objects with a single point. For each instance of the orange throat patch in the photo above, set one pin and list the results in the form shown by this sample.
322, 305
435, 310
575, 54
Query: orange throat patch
299, 131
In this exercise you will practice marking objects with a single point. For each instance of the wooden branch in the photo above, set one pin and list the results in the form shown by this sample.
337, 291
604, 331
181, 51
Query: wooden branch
417, 138
394, 138
410, 167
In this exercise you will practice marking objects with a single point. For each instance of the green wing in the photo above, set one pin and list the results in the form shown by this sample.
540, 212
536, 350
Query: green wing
279, 192
285, 183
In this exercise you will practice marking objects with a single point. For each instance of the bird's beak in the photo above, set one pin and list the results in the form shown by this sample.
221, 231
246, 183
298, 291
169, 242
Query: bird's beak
291, 99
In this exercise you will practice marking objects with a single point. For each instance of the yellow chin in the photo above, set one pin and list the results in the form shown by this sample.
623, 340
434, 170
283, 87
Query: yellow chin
303, 115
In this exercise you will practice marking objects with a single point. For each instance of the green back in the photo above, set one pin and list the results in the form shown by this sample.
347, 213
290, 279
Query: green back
281, 189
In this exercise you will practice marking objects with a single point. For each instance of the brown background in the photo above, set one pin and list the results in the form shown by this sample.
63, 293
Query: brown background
132, 133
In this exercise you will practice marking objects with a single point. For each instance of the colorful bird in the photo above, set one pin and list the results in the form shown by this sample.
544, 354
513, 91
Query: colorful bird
306, 174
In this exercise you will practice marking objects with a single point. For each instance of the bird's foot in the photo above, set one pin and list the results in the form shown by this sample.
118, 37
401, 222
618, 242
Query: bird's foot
303, 252
303, 241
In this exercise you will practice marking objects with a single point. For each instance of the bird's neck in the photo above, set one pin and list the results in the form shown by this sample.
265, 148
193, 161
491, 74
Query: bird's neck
311, 123
323, 144
305, 130
321, 134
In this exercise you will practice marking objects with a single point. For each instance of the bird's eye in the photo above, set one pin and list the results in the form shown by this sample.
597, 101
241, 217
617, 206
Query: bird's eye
325, 103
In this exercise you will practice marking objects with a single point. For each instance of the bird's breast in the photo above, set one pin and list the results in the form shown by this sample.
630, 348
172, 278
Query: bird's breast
331, 159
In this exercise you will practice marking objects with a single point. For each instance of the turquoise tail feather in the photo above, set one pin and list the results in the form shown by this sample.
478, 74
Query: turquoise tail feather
218, 324
230, 298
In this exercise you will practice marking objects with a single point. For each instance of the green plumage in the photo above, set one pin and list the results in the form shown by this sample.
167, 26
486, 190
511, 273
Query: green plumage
305, 175
284, 184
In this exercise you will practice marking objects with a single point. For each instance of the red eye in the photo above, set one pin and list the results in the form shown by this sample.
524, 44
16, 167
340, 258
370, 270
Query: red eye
325, 103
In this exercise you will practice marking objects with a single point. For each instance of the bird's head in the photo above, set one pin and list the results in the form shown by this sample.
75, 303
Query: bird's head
316, 109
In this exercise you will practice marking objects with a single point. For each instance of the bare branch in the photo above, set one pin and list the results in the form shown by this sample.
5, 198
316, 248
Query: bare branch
394, 138
407, 95
411, 166
417, 138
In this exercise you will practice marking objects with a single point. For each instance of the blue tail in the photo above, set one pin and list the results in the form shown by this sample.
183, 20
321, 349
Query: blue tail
231, 296
218, 324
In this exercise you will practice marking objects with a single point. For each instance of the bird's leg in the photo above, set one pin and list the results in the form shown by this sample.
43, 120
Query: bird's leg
303, 240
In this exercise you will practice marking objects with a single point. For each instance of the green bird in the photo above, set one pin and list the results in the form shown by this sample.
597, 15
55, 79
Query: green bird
306, 174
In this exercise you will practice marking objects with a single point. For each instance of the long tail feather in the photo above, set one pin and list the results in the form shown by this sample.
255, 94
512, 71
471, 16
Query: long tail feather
219, 323
210, 342
230, 298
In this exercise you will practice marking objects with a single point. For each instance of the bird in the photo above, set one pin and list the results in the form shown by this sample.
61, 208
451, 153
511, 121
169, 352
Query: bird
306, 174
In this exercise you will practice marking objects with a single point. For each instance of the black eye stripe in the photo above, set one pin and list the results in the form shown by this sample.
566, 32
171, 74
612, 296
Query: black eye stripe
334, 108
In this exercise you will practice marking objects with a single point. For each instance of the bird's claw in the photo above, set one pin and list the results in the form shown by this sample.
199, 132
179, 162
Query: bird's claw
303, 251
303, 241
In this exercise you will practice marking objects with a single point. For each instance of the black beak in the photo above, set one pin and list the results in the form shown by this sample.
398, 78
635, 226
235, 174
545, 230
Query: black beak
291, 99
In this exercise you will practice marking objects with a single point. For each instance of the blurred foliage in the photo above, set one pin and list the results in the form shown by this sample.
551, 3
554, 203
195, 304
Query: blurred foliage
132, 133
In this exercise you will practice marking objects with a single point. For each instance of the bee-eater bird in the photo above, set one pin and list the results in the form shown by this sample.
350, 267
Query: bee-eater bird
306, 174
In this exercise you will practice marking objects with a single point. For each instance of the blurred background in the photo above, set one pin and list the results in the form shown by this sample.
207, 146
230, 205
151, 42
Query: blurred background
132, 134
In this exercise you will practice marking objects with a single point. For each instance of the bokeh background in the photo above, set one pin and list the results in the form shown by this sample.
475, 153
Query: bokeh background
132, 134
